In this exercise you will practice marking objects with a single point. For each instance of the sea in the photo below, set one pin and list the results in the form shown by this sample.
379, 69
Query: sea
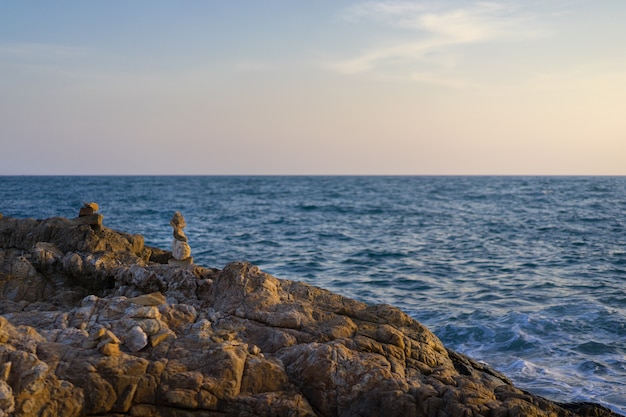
526, 274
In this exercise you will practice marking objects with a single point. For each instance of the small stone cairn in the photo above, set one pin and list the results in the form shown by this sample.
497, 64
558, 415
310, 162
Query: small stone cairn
180, 248
87, 215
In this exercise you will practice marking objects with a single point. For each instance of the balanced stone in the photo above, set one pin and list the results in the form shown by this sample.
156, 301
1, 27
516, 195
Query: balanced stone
88, 209
87, 215
180, 235
181, 251
178, 221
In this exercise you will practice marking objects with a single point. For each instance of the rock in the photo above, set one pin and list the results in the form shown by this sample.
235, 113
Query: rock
46, 254
152, 299
180, 250
7, 401
85, 211
136, 339
185, 262
88, 210
5, 369
66, 235
90, 324
180, 235
93, 206
178, 221
94, 220
110, 349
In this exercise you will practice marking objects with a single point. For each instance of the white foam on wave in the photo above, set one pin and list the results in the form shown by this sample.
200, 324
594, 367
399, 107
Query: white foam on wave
524, 346
562, 382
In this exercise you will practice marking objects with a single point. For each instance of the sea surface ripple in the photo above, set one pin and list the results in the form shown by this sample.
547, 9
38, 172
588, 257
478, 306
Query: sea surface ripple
527, 274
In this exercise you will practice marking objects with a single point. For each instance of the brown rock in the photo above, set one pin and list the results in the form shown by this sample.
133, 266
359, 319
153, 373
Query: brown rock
152, 299
7, 401
263, 375
110, 349
178, 221
235, 342
93, 206
85, 211
180, 262
94, 219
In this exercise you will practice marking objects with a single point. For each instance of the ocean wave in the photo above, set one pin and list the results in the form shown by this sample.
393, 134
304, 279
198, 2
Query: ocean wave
524, 273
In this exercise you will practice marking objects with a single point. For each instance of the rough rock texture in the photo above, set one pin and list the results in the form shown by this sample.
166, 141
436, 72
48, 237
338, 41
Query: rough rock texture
92, 322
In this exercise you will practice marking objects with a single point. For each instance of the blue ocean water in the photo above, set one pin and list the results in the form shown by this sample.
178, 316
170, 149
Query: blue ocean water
527, 274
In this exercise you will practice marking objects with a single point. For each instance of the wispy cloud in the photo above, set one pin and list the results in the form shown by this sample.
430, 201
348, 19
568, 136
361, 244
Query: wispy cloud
24, 58
428, 28
395, 10
39, 52
401, 51
441, 80
252, 65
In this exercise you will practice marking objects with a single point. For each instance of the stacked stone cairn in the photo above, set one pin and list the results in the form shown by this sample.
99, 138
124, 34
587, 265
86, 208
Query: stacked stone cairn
180, 248
87, 215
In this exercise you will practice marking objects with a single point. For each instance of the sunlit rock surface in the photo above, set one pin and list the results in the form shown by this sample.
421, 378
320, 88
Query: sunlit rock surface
92, 322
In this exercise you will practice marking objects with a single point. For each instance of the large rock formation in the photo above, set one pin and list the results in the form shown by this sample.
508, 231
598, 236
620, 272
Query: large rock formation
92, 322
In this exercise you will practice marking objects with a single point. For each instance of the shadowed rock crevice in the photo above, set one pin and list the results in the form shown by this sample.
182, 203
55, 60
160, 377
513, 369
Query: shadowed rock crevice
93, 322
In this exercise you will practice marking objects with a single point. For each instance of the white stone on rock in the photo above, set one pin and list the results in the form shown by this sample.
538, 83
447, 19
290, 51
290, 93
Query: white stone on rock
180, 250
136, 339
149, 326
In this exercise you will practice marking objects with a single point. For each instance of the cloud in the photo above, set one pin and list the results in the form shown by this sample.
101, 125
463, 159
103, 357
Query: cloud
403, 51
24, 59
39, 52
383, 10
428, 28
444, 81
457, 26
251, 65
477, 21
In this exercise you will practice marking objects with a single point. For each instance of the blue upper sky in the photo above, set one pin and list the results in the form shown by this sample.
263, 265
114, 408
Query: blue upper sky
324, 87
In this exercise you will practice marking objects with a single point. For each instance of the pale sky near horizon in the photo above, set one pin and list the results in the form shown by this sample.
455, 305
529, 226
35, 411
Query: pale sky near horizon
322, 87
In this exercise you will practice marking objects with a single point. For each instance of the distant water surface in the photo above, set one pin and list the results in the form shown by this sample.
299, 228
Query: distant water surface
525, 273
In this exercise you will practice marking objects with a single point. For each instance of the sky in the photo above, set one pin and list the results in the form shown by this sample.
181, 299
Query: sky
444, 87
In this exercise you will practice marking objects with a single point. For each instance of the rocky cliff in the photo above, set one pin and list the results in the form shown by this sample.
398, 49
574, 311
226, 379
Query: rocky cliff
93, 322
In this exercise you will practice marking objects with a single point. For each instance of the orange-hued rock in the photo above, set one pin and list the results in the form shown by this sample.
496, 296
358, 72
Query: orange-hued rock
91, 324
